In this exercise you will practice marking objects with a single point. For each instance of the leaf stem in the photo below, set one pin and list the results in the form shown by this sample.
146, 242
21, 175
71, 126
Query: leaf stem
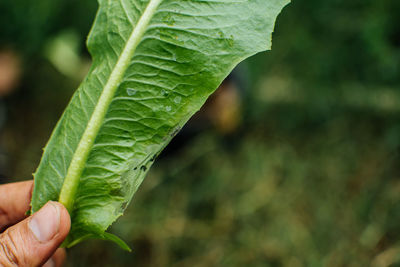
77, 165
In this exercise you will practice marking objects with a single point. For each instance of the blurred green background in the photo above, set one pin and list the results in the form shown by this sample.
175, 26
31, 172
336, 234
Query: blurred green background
303, 171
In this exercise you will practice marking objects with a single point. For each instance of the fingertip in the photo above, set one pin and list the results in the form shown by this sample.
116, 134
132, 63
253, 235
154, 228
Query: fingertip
14, 202
65, 220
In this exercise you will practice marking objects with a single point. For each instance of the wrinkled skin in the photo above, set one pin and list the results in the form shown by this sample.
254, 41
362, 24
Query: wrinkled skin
34, 240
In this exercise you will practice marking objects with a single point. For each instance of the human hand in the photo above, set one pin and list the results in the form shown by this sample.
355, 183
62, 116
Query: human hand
32, 241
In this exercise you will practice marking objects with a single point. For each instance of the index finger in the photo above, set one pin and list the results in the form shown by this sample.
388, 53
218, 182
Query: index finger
14, 202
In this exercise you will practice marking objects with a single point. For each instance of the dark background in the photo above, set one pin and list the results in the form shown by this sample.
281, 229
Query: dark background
302, 170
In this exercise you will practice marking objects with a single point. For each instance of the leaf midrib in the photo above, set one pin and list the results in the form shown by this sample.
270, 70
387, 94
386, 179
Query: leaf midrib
80, 156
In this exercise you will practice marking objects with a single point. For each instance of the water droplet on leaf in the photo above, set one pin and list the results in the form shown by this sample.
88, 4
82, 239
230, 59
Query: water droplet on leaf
177, 99
131, 92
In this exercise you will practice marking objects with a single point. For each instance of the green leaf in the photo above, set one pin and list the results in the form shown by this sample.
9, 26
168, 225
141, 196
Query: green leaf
155, 62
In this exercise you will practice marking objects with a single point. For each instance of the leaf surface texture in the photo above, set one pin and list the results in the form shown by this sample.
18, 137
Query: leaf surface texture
155, 62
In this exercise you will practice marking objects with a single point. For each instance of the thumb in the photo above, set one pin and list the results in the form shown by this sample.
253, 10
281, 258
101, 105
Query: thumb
34, 240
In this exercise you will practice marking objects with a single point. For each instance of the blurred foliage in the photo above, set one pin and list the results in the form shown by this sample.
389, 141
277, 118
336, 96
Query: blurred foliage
310, 178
